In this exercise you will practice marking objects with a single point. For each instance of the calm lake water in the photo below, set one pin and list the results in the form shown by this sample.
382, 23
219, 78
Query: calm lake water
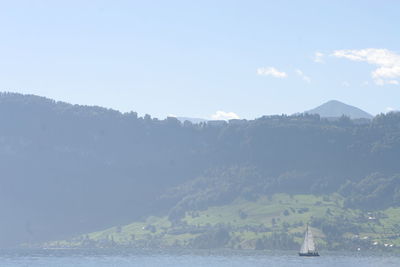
92, 258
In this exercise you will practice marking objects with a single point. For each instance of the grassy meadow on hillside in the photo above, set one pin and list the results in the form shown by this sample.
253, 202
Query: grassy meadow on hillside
270, 222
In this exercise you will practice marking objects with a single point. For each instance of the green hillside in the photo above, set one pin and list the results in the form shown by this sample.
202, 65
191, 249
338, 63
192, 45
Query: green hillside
70, 169
275, 222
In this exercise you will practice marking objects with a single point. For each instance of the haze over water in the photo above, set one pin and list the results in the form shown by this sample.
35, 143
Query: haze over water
92, 258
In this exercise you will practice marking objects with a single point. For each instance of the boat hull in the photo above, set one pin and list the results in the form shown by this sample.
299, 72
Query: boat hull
309, 254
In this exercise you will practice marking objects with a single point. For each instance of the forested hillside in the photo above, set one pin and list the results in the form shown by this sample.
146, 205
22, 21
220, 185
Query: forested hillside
69, 169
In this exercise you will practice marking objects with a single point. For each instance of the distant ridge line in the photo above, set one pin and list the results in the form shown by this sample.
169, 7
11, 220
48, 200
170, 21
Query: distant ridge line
335, 109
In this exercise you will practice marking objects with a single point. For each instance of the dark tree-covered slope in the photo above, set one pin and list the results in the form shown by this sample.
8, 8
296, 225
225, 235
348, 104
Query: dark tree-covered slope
69, 169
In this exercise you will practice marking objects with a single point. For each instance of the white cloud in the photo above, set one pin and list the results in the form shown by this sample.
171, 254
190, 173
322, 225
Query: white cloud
396, 82
222, 115
382, 82
319, 57
388, 63
303, 76
390, 109
345, 84
271, 71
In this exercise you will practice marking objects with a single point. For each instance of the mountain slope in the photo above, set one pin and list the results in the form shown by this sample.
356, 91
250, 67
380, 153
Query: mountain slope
69, 169
271, 222
335, 109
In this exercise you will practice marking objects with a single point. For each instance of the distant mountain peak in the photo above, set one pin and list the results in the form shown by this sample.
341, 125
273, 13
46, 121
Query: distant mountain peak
335, 108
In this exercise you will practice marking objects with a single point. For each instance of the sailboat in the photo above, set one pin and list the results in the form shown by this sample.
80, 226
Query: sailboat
308, 247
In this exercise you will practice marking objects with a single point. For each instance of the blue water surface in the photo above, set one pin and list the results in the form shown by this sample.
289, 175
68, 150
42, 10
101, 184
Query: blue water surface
125, 258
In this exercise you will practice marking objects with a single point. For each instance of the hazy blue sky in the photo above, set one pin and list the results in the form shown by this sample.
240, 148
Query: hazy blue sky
194, 58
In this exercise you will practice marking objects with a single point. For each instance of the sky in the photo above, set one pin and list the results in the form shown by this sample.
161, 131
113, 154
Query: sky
204, 59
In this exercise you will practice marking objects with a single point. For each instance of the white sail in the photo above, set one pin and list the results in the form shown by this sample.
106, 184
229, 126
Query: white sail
304, 246
308, 243
310, 240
